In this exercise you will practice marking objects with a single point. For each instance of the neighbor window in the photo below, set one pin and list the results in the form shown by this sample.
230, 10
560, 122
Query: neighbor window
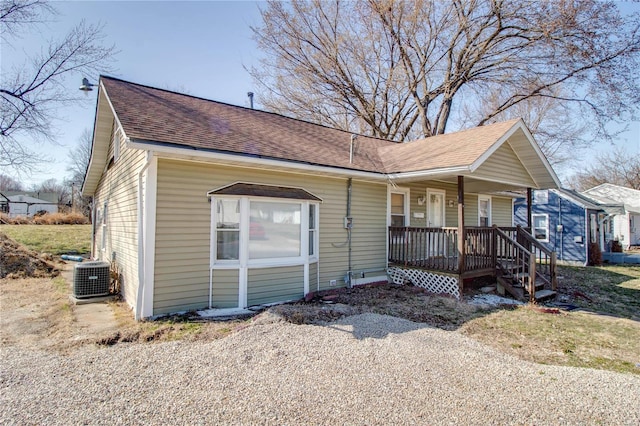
540, 227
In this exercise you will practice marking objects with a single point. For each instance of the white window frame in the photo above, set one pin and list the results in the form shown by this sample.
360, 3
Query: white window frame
533, 227
406, 192
103, 242
245, 220
489, 208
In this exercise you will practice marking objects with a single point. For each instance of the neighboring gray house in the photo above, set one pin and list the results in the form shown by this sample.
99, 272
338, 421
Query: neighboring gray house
25, 205
626, 227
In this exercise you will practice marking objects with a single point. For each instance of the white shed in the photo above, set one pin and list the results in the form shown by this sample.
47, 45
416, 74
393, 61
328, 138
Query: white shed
25, 205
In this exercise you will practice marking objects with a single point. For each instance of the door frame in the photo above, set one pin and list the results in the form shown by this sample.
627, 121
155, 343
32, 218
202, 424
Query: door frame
432, 191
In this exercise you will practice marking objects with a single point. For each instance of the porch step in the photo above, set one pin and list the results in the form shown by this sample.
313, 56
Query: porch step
544, 295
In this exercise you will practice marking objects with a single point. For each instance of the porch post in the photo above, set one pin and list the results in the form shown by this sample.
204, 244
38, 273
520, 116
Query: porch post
461, 237
529, 209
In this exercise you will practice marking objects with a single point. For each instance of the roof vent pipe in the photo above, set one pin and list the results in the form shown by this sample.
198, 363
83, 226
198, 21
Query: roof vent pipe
250, 95
353, 139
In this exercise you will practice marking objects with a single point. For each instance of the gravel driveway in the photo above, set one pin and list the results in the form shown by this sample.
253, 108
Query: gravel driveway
365, 369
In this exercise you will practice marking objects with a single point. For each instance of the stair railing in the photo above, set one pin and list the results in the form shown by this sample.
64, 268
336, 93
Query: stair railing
545, 259
516, 260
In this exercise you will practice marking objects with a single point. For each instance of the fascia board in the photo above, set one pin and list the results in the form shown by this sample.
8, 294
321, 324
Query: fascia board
170, 151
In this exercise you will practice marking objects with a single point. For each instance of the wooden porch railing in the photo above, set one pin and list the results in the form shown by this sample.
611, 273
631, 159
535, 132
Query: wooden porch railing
489, 249
429, 248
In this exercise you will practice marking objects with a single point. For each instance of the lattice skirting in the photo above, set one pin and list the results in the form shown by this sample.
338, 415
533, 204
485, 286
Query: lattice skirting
432, 282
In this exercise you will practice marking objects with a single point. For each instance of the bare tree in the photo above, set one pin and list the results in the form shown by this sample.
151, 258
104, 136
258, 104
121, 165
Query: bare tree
52, 185
31, 94
79, 159
7, 183
617, 166
80, 156
405, 69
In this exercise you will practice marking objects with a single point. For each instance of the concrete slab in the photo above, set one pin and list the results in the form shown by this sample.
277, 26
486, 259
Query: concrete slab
93, 316
224, 313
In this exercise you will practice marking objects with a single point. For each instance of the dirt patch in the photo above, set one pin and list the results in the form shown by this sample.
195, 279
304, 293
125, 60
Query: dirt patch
405, 301
16, 261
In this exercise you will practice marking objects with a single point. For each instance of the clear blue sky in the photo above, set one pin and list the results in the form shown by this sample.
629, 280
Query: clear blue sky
200, 48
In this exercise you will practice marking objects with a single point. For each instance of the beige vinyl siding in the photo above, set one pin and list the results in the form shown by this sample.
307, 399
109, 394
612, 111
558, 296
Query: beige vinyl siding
501, 211
271, 285
183, 224
225, 288
504, 166
118, 187
369, 233
419, 189
470, 209
313, 277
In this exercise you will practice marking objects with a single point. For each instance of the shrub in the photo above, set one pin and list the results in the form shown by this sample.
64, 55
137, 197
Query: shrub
595, 255
46, 219
616, 247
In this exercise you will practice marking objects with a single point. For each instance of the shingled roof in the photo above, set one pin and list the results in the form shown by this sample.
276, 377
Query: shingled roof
155, 115
157, 119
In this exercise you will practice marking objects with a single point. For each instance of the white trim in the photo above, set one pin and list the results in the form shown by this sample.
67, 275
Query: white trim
406, 192
490, 207
533, 227
141, 240
190, 153
443, 212
445, 171
149, 222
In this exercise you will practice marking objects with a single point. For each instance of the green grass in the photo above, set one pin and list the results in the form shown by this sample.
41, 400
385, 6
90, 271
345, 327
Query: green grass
611, 290
53, 239
604, 334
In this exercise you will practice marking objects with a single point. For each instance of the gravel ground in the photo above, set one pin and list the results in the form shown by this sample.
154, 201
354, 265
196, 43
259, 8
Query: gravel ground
364, 369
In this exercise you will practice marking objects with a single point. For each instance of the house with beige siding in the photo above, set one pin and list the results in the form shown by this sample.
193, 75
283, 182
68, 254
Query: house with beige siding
202, 204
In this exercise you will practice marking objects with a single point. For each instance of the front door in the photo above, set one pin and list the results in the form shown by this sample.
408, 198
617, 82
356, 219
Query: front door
435, 208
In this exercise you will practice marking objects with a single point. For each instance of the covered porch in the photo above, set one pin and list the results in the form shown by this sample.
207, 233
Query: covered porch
457, 220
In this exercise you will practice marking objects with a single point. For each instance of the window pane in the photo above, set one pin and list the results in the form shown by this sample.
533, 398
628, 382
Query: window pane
275, 230
540, 233
539, 221
228, 214
312, 216
484, 208
397, 220
312, 243
397, 203
228, 245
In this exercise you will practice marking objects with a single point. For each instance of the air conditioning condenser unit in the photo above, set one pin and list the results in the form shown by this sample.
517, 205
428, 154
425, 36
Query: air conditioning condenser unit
91, 279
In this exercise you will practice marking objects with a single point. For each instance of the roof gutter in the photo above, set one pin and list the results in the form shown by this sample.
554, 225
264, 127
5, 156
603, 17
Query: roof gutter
157, 147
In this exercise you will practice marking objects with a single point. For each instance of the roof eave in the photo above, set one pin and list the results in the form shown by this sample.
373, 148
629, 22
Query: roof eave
162, 148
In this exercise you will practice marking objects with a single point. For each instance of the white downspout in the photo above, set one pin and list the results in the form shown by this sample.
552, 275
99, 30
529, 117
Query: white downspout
141, 235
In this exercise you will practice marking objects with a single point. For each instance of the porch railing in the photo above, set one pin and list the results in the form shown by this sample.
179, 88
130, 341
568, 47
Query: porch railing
429, 248
485, 248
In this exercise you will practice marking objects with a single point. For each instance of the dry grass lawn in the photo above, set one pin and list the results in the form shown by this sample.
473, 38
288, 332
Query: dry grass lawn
603, 333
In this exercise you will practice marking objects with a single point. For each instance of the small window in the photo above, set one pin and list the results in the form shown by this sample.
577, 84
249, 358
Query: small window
228, 229
541, 227
313, 229
541, 197
484, 211
398, 214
